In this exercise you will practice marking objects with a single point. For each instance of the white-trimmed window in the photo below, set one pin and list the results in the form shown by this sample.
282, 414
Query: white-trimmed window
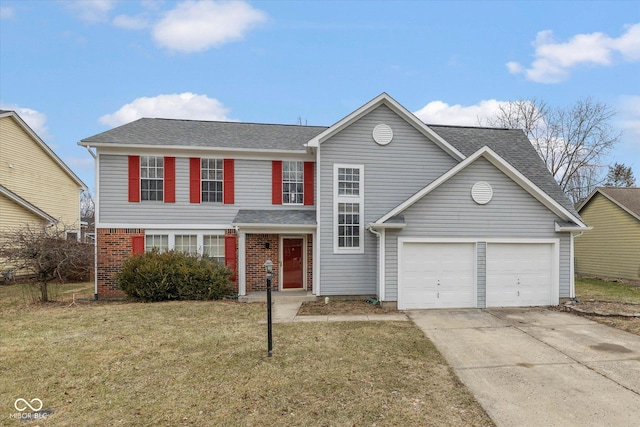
348, 208
212, 179
206, 243
156, 241
151, 178
213, 247
186, 243
292, 183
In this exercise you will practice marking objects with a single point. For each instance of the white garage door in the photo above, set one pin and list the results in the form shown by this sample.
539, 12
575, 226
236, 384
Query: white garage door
437, 275
519, 275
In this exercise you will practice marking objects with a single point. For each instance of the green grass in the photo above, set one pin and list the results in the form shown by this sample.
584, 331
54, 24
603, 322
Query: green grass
204, 363
606, 291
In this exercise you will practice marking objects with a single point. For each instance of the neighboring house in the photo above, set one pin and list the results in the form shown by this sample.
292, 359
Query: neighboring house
36, 187
378, 204
612, 249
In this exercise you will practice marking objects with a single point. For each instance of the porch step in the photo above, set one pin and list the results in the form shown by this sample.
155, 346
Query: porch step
292, 296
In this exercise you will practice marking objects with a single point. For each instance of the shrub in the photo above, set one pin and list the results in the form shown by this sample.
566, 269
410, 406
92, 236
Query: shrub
155, 276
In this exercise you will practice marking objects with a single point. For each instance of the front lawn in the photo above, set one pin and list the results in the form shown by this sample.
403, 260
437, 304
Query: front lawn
204, 363
606, 291
625, 298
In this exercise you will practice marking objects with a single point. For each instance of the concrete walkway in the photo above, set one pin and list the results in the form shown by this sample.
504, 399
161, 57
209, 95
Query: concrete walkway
287, 311
536, 367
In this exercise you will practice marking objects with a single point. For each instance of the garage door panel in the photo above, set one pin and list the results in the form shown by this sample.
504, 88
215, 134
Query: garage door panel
519, 274
437, 275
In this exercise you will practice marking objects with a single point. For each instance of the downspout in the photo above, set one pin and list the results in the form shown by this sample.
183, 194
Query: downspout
95, 240
572, 291
380, 260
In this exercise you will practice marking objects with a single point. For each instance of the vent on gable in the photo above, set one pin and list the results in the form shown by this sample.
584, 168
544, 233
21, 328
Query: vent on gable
382, 134
481, 192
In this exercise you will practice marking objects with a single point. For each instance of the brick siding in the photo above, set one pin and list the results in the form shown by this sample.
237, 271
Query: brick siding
114, 246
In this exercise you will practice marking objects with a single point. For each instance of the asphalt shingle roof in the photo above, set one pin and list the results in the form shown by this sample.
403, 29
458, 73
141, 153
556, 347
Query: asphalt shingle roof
510, 144
275, 217
514, 147
172, 132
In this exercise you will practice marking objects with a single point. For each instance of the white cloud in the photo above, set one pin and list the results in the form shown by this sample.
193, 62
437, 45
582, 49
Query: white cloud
175, 106
35, 119
130, 22
91, 10
6, 12
438, 112
554, 60
629, 115
195, 26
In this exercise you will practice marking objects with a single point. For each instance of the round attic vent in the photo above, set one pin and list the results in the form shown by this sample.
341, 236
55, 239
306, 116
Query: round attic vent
481, 192
382, 134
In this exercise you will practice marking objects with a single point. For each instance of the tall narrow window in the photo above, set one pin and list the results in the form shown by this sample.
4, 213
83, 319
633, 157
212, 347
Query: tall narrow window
348, 204
151, 178
212, 180
292, 183
213, 247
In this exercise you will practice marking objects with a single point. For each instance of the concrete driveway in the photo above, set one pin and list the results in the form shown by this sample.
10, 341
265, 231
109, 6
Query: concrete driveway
537, 367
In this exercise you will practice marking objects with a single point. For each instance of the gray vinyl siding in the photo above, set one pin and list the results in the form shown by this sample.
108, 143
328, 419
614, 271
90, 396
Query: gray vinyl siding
252, 182
392, 173
449, 212
481, 270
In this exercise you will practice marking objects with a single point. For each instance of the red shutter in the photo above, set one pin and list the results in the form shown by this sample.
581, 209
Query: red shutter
137, 244
228, 183
169, 179
134, 178
276, 182
230, 255
308, 183
194, 180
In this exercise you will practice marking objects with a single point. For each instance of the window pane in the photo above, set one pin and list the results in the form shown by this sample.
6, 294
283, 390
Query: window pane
156, 241
292, 183
151, 182
213, 247
212, 177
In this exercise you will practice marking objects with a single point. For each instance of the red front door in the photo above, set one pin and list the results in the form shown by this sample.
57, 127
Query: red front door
292, 266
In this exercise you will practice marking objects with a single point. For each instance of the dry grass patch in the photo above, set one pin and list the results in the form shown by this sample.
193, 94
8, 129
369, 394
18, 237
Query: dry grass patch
204, 363
341, 307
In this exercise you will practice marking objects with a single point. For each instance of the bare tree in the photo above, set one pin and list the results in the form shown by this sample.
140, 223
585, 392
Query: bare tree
44, 254
620, 176
87, 205
572, 141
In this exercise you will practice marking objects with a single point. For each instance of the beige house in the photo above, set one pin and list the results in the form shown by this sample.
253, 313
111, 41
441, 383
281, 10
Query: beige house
36, 187
612, 249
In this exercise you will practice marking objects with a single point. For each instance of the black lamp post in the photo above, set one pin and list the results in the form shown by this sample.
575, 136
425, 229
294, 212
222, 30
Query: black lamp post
268, 267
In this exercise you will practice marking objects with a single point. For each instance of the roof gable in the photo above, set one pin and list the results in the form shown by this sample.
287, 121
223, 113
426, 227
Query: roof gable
504, 167
626, 198
393, 105
27, 205
13, 115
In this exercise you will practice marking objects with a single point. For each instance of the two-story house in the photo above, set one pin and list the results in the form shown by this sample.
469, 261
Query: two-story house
36, 187
378, 204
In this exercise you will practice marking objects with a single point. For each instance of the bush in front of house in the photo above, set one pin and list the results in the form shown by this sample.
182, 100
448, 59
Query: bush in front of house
155, 276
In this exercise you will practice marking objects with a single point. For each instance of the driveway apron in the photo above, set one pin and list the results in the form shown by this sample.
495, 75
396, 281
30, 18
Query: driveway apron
537, 367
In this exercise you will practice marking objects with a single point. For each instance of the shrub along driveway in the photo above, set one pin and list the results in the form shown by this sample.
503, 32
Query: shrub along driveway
533, 367
204, 363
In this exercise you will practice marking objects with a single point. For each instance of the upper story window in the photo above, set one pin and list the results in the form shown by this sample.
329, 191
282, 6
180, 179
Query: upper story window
348, 208
292, 183
151, 178
349, 181
212, 179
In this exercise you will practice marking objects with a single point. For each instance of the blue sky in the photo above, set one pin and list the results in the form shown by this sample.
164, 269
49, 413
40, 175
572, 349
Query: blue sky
73, 69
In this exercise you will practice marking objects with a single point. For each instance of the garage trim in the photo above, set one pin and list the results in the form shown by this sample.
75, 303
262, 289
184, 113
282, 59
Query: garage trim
403, 240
